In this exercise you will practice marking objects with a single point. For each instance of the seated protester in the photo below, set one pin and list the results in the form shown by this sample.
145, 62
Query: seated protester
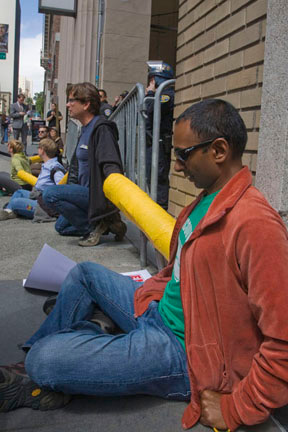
84, 210
19, 161
23, 203
211, 328
43, 132
53, 133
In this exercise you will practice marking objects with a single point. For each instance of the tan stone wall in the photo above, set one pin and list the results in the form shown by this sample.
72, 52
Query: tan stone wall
124, 50
220, 53
125, 45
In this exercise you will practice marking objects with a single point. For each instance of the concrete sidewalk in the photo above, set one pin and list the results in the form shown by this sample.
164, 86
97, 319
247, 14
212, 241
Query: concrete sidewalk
21, 241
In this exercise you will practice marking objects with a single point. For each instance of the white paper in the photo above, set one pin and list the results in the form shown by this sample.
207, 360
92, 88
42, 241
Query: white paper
139, 275
51, 268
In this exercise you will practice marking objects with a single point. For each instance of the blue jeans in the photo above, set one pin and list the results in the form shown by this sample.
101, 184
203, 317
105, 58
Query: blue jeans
23, 132
71, 202
72, 355
21, 204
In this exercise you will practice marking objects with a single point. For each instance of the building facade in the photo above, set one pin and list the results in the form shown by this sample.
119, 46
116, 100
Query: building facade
25, 86
220, 53
10, 16
219, 48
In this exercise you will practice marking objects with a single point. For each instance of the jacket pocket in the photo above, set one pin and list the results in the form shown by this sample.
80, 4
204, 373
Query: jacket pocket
208, 367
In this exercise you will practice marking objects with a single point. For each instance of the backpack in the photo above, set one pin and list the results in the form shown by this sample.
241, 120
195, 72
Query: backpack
54, 170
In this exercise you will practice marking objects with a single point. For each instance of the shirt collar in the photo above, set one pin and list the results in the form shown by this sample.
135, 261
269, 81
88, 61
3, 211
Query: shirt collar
50, 162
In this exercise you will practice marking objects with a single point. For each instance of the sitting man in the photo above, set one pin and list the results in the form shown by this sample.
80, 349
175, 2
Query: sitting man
84, 210
23, 202
43, 132
210, 328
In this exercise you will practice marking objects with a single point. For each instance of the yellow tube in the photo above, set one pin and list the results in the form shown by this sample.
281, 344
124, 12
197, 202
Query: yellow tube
150, 218
30, 179
27, 177
64, 179
34, 159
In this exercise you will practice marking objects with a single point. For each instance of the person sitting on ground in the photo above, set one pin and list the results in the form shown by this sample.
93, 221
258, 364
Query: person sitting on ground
105, 108
84, 210
210, 328
19, 161
119, 99
22, 202
43, 132
55, 137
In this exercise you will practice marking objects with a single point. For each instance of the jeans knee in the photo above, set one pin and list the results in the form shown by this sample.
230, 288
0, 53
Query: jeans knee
40, 362
49, 196
59, 226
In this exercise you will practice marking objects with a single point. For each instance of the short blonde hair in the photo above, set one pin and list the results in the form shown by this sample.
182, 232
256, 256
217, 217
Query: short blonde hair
16, 146
49, 146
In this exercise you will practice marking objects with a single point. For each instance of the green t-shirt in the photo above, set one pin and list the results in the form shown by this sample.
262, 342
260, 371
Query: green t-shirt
170, 306
19, 161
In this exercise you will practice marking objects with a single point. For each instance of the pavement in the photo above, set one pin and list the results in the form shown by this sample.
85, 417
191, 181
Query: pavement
21, 241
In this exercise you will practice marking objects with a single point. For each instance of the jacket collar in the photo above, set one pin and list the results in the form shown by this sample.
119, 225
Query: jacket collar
222, 203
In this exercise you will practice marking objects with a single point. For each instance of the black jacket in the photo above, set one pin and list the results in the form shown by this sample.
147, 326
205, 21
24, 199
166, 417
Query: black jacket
106, 109
167, 106
104, 159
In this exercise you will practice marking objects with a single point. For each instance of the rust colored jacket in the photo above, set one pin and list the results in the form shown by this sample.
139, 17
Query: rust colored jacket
234, 289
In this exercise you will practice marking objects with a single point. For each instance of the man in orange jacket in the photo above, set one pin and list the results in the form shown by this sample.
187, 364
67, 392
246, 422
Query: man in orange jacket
210, 328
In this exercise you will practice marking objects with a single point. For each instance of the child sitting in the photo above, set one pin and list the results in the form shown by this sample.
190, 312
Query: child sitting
51, 173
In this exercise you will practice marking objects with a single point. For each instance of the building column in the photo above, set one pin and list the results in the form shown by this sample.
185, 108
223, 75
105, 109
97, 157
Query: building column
272, 162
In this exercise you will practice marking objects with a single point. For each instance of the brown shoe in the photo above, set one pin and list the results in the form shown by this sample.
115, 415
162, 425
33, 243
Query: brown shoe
93, 238
117, 226
5, 215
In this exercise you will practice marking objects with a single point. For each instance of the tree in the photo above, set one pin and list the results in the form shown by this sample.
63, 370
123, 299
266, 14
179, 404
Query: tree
39, 102
29, 101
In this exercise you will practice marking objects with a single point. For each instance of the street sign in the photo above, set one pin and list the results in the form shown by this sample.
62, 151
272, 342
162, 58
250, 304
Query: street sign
2, 56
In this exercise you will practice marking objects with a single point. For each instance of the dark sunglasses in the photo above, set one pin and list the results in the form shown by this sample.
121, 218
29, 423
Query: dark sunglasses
183, 154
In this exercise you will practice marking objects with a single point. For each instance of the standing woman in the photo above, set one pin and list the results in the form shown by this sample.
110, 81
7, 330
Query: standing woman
19, 161
56, 138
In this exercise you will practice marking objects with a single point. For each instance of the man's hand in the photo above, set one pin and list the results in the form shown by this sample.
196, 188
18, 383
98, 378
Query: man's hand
211, 414
151, 86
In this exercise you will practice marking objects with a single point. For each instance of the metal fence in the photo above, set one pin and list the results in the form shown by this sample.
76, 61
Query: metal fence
130, 117
156, 135
72, 136
130, 120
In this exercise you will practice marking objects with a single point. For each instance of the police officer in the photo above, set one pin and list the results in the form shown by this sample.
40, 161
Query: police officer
159, 72
105, 108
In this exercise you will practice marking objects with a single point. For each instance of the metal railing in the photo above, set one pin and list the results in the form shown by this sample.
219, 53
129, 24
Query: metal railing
130, 121
160, 260
156, 136
132, 135
72, 136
